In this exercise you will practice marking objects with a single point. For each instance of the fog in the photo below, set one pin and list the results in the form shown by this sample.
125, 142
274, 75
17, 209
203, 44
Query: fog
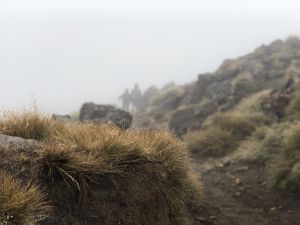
62, 53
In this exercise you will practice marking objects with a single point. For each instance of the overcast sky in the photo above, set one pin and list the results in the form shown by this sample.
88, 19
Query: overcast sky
65, 52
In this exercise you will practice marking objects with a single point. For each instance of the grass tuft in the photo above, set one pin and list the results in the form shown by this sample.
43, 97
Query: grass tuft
20, 205
29, 124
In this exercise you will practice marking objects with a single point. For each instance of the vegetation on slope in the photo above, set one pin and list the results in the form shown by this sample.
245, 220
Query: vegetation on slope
92, 173
19, 204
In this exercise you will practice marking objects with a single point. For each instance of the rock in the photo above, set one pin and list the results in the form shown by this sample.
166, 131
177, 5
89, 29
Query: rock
242, 168
66, 118
181, 120
276, 103
237, 194
212, 217
105, 114
6, 141
273, 209
238, 181
200, 218
191, 118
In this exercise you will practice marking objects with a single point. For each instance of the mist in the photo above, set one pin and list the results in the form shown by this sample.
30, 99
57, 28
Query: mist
63, 53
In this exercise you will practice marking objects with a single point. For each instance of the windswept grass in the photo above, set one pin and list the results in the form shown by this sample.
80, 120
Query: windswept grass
101, 174
143, 174
29, 124
20, 205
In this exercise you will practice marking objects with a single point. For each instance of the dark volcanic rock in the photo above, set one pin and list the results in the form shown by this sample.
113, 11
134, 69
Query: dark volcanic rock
276, 103
105, 114
61, 117
191, 118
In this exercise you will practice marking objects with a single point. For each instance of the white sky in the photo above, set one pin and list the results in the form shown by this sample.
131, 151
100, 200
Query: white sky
65, 52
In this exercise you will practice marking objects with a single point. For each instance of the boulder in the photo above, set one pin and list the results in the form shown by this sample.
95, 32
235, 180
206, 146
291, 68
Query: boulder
65, 118
105, 114
276, 103
191, 118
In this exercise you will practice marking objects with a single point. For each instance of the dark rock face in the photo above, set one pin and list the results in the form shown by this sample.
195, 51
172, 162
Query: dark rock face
191, 118
105, 114
276, 103
182, 120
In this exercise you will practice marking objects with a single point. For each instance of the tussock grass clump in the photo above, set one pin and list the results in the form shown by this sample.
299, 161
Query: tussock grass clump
239, 123
20, 205
96, 174
292, 111
130, 177
223, 132
29, 124
285, 167
212, 141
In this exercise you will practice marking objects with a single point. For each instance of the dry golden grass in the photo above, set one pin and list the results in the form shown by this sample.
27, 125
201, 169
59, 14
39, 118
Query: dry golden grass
292, 112
93, 164
223, 131
137, 177
20, 205
285, 167
252, 104
29, 124
212, 141
239, 123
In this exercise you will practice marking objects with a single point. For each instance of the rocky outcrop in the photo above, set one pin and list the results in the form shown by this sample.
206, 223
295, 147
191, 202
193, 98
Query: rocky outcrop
267, 67
277, 102
105, 114
191, 118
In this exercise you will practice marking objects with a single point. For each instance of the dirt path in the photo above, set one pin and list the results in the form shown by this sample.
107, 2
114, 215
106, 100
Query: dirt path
236, 193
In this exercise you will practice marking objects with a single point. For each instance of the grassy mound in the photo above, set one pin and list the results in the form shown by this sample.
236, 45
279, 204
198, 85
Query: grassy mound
212, 141
20, 205
99, 174
223, 132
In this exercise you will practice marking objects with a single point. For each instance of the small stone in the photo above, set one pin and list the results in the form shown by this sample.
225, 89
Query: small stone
212, 217
238, 181
200, 218
273, 209
242, 168
238, 194
226, 162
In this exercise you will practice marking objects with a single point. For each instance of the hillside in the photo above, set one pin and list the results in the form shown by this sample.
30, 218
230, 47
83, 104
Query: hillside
241, 124
183, 108
232, 159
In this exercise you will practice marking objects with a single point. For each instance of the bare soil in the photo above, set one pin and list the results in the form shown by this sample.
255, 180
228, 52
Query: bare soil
237, 193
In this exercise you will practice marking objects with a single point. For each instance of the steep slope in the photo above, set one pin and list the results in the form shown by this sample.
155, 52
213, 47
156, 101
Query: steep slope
185, 108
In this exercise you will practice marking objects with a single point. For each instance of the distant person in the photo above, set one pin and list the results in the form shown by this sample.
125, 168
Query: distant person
125, 98
136, 96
